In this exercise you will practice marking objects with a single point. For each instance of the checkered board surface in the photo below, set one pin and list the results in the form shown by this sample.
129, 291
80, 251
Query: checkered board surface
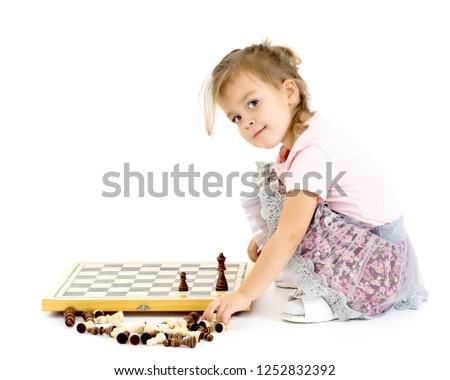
151, 286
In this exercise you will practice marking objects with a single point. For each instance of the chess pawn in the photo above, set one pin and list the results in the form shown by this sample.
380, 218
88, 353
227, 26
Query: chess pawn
93, 330
87, 316
189, 341
82, 327
183, 284
69, 316
107, 330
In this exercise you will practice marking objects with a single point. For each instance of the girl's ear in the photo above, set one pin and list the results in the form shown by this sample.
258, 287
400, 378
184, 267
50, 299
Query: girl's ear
292, 92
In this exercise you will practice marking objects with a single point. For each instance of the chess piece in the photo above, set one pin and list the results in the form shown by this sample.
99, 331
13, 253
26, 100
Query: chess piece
88, 317
145, 336
122, 337
93, 330
189, 341
220, 326
221, 283
98, 313
107, 330
134, 338
158, 339
69, 316
183, 284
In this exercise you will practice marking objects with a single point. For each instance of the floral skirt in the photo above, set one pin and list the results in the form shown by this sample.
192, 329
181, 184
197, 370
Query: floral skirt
360, 271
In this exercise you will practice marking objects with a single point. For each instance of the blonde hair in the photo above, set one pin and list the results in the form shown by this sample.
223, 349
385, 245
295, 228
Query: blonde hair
271, 64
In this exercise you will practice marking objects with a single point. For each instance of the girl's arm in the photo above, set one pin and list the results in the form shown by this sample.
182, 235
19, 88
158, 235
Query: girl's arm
296, 215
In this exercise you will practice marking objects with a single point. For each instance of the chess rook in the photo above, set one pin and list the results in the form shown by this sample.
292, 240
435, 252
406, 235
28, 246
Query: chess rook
221, 283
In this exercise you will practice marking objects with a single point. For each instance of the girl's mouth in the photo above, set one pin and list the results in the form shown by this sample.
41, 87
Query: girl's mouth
259, 132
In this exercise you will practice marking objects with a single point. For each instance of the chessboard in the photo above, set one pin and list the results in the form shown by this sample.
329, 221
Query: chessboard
141, 286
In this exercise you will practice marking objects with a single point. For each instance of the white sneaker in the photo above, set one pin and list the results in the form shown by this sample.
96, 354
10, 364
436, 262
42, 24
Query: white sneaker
284, 280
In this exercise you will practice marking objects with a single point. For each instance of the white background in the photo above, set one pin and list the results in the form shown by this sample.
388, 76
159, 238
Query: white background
86, 86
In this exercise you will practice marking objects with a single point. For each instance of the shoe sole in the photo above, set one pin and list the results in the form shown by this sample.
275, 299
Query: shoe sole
285, 285
302, 319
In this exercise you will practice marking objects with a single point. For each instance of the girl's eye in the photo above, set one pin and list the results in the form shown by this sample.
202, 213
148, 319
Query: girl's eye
236, 119
252, 104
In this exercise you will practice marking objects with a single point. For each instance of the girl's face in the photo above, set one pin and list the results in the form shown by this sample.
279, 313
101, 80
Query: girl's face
262, 112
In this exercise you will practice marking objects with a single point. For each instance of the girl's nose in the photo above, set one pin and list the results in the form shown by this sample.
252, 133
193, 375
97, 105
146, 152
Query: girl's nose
249, 122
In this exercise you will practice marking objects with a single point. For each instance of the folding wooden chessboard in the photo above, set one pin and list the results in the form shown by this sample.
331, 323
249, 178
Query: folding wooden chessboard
141, 286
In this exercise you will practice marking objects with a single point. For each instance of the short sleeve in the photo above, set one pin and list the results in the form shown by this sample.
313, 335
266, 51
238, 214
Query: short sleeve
311, 169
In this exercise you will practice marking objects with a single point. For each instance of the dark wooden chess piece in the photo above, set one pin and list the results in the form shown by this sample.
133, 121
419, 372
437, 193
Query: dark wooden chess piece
183, 284
221, 283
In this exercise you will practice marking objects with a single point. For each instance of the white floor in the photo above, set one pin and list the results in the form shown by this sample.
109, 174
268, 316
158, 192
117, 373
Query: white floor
402, 344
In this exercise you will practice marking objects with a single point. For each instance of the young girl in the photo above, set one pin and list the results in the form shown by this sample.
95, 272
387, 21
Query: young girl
325, 211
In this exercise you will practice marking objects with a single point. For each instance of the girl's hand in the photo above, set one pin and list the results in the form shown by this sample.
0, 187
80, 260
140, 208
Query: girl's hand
226, 305
253, 251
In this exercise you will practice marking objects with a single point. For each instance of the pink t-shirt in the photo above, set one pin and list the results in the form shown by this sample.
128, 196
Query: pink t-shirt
327, 161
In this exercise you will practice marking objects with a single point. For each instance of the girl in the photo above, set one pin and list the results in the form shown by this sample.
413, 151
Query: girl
325, 211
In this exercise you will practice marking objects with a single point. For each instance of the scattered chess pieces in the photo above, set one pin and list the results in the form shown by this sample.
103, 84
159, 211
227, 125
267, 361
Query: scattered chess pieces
221, 283
183, 284
69, 316
188, 331
109, 318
